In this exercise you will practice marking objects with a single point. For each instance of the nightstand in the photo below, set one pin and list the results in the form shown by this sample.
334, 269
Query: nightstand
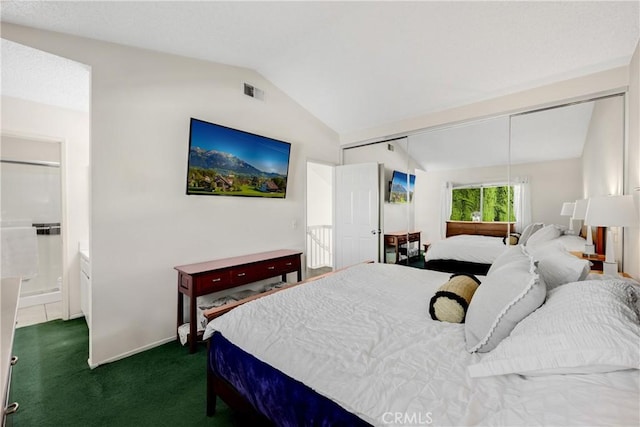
596, 260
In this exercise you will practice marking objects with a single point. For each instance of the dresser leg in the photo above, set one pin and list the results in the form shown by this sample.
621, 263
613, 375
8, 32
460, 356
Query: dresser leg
180, 319
193, 327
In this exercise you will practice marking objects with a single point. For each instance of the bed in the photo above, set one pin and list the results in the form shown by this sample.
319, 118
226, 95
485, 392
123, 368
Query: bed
358, 347
470, 247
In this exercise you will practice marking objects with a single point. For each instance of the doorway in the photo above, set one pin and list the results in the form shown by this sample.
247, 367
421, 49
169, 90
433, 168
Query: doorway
319, 218
55, 111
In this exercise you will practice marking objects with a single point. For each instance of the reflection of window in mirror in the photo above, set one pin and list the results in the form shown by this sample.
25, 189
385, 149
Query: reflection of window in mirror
463, 170
486, 203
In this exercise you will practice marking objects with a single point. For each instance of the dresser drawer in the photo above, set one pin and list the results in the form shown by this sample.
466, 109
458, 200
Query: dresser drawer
245, 274
213, 282
279, 266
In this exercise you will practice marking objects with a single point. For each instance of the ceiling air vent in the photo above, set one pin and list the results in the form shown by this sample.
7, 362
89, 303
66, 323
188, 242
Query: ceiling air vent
253, 92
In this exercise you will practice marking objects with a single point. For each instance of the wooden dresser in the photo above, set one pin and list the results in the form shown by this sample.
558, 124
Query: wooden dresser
204, 278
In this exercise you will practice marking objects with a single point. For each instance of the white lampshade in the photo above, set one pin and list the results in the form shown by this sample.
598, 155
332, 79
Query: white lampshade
567, 209
580, 209
611, 211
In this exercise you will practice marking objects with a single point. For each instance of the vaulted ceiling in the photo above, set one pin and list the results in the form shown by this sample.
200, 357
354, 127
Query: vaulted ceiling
357, 65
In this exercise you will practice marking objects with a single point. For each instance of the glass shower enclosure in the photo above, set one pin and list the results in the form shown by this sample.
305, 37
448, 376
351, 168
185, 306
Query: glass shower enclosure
30, 217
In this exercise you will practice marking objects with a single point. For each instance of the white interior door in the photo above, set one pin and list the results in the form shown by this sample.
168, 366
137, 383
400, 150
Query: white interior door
357, 217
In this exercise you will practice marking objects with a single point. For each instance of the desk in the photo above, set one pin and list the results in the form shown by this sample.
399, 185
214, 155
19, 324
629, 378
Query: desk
398, 238
203, 278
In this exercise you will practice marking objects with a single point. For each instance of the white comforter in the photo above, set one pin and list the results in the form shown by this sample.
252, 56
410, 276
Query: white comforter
467, 247
363, 338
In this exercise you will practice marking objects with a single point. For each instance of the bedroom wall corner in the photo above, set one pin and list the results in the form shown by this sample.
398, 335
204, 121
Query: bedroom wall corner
142, 223
632, 180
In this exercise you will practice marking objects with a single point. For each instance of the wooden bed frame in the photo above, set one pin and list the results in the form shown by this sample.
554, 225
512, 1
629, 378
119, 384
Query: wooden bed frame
218, 386
494, 229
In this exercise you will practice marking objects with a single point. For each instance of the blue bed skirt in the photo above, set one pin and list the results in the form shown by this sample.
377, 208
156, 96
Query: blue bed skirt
280, 398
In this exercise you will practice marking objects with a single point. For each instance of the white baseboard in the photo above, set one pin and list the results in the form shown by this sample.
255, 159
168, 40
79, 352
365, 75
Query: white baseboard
76, 315
94, 365
39, 299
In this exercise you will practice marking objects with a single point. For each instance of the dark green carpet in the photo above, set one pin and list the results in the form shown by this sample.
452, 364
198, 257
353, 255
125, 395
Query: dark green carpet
54, 386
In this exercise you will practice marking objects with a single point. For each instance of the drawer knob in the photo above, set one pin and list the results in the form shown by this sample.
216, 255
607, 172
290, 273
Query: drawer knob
271, 267
289, 263
217, 279
242, 274
12, 408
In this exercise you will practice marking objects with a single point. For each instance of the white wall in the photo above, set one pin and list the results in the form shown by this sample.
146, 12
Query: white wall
603, 151
71, 129
143, 224
319, 194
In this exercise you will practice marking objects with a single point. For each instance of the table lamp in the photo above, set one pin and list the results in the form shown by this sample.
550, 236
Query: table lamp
567, 210
611, 211
580, 212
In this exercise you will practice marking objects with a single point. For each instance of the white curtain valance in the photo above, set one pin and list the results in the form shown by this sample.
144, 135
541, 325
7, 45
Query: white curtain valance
521, 202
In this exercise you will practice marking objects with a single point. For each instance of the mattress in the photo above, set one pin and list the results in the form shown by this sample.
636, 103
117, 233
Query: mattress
468, 248
275, 395
363, 338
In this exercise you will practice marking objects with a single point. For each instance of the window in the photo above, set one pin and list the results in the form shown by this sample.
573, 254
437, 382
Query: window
493, 203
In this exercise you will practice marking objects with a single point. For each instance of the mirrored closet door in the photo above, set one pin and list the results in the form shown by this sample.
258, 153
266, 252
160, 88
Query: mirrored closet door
564, 154
496, 175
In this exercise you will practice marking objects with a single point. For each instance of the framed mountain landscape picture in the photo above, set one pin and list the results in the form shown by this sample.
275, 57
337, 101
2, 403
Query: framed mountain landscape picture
230, 162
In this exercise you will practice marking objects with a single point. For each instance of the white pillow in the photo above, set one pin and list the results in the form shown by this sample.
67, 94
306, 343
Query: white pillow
545, 234
528, 231
572, 242
558, 267
508, 294
584, 327
510, 254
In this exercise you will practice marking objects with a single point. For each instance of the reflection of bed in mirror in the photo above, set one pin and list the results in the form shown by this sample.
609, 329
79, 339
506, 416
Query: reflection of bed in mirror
470, 247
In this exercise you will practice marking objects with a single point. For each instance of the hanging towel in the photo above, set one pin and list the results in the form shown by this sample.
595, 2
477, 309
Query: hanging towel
19, 252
